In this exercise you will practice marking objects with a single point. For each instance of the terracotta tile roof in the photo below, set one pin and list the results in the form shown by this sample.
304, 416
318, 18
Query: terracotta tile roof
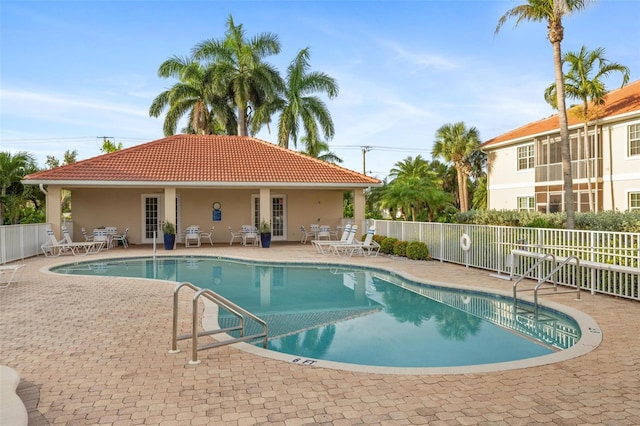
620, 101
198, 159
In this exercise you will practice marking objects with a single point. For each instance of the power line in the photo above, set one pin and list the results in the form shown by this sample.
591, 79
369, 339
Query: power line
379, 148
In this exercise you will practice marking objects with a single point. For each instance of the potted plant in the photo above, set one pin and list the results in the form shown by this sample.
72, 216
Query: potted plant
265, 234
169, 231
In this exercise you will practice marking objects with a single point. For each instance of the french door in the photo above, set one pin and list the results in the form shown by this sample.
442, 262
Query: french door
278, 216
152, 216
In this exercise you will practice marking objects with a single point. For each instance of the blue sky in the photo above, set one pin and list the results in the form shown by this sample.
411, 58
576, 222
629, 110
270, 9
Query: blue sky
73, 71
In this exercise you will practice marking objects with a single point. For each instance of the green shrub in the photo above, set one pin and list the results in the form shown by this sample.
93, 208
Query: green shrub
611, 221
386, 246
417, 250
400, 248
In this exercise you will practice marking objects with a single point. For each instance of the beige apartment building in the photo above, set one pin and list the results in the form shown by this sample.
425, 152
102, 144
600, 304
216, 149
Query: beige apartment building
525, 169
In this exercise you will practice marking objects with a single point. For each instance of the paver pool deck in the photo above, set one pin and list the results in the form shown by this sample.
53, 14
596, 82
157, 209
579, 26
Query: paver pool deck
94, 351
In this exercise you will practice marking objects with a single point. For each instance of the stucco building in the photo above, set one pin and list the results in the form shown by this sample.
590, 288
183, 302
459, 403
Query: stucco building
202, 180
525, 169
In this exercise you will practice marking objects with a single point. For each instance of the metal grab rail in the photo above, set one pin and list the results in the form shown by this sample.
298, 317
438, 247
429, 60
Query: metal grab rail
226, 304
542, 280
541, 259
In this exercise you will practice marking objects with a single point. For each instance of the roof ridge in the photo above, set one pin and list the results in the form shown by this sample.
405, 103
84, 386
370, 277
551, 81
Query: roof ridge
613, 98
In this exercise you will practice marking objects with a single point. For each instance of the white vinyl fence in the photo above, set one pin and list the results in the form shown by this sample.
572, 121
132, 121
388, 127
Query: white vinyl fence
21, 241
609, 262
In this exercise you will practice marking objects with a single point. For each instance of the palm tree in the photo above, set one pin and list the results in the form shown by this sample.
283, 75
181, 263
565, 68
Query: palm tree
584, 82
456, 144
237, 70
552, 11
410, 167
192, 95
299, 106
413, 188
12, 169
319, 150
479, 199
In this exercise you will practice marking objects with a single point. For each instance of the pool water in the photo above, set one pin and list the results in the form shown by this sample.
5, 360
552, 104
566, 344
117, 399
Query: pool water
361, 316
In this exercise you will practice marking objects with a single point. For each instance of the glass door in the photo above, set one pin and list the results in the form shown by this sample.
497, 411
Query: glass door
278, 216
152, 212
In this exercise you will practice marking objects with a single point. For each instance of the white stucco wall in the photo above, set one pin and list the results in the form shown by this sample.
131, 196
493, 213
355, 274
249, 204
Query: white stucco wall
505, 182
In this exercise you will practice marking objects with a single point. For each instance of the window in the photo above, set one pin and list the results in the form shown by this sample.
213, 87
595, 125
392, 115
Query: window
634, 139
526, 204
525, 157
634, 201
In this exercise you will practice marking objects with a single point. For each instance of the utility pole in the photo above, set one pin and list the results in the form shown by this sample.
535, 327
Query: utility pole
365, 149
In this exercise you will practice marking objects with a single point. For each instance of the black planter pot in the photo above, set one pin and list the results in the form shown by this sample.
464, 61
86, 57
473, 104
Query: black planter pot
169, 241
265, 239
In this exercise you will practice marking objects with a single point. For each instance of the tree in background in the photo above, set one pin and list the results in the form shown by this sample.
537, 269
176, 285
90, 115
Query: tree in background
13, 167
191, 96
583, 82
110, 146
457, 145
298, 106
413, 189
238, 73
552, 12
69, 157
319, 150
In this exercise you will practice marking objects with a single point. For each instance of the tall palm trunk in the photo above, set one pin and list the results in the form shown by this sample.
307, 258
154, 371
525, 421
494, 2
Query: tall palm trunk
242, 120
587, 153
555, 37
462, 190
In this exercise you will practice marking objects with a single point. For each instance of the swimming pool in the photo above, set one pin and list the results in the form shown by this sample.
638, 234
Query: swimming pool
332, 314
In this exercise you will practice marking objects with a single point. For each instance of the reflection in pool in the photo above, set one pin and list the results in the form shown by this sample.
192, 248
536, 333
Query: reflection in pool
362, 316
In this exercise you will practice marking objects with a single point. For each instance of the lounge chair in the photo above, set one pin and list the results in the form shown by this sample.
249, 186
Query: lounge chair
324, 246
10, 274
365, 248
320, 245
84, 248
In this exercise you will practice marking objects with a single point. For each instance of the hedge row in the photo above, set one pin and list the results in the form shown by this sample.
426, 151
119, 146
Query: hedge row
611, 221
415, 250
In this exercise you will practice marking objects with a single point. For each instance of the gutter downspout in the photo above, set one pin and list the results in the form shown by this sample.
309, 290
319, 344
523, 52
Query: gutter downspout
44, 191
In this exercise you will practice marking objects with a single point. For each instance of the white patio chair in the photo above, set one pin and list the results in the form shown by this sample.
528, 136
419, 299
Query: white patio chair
235, 235
101, 235
250, 235
315, 228
324, 233
207, 235
86, 235
120, 238
111, 232
306, 235
192, 236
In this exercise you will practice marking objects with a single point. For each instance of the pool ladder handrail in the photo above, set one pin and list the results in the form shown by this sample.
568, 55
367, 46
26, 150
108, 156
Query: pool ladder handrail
221, 301
543, 257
